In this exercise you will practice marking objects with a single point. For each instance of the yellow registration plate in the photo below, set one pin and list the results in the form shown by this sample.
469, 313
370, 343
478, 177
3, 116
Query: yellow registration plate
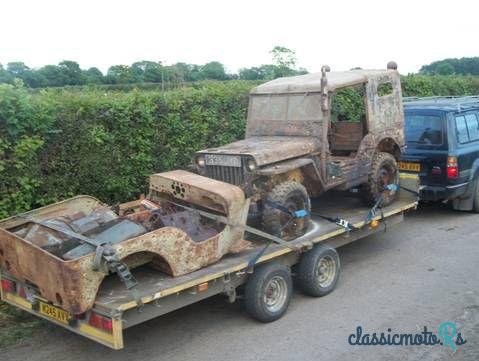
54, 312
413, 167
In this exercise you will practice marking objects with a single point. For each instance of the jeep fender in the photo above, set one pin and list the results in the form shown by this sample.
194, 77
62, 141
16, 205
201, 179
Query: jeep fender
311, 177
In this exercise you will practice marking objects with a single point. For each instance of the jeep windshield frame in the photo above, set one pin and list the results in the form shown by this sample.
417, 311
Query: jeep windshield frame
292, 114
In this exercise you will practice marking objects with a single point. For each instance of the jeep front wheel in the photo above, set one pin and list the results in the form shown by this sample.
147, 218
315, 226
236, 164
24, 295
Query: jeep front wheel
384, 171
291, 196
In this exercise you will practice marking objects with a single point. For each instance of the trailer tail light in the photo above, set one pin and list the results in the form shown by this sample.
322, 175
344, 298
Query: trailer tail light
101, 322
452, 169
8, 286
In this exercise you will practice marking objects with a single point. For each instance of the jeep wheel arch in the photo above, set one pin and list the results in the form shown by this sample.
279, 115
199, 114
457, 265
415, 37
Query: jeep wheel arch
301, 170
389, 145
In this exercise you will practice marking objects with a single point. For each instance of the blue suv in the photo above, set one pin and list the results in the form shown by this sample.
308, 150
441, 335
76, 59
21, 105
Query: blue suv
442, 137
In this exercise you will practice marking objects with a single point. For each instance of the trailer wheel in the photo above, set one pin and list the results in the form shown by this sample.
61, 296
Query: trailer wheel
268, 292
318, 271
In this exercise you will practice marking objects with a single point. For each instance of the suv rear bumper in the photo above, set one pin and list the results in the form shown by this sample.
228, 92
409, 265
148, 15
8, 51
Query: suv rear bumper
441, 193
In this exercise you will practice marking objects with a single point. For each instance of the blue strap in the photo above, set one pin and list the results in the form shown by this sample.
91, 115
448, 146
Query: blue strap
392, 187
301, 213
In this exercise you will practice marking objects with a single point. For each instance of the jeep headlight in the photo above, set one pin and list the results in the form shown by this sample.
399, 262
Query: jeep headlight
200, 161
251, 164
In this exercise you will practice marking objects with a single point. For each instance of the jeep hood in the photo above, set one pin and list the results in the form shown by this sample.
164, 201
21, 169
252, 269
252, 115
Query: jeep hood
267, 150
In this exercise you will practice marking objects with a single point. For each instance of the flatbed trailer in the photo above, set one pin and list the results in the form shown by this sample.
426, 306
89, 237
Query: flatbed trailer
116, 309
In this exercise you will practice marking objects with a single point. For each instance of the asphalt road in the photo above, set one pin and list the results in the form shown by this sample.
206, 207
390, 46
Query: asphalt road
420, 273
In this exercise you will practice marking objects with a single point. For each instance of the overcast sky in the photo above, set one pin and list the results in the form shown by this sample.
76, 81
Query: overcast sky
343, 34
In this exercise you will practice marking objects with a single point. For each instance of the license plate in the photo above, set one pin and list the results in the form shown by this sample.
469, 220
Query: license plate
413, 167
223, 160
54, 312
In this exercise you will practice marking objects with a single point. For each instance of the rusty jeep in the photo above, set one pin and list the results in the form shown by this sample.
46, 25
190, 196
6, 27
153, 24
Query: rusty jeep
63, 251
309, 134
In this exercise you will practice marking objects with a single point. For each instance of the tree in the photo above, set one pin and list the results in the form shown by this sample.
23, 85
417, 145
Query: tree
463, 66
253, 73
148, 71
284, 60
35, 79
120, 74
283, 57
92, 76
53, 75
17, 68
445, 69
187, 72
214, 70
263, 72
71, 72
5, 76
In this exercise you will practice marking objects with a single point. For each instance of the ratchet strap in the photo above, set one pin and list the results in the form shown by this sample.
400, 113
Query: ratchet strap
348, 226
302, 213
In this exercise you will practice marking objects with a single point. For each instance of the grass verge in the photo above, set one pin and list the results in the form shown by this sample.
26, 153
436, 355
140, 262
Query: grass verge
16, 325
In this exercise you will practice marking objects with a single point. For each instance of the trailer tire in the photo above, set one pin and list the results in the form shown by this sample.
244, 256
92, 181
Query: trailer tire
268, 292
318, 271
384, 171
291, 195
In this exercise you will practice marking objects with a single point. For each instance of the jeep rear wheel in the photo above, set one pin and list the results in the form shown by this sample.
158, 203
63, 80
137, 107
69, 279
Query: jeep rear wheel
384, 171
293, 197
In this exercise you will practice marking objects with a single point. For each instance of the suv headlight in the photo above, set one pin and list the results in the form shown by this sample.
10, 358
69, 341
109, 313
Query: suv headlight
200, 161
251, 164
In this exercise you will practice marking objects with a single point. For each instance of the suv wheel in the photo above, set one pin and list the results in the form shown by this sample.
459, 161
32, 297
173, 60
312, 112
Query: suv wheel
384, 171
475, 205
293, 196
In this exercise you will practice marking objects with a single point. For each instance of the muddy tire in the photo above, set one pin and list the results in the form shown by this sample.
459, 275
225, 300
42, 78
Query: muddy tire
293, 196
384, 171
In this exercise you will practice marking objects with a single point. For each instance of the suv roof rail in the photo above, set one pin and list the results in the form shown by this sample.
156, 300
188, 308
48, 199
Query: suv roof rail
451, 98
463, 102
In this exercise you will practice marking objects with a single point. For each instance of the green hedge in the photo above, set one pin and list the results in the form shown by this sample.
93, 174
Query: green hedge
55, 144
58, 143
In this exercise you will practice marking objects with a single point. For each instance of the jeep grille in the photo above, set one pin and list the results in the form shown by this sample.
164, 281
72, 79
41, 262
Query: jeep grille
232, 175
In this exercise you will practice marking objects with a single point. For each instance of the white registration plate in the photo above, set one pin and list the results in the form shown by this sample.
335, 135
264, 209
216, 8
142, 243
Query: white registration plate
223, 160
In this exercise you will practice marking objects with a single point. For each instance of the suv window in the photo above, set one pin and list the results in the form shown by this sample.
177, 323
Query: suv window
472, 126
467, 128
423, 130
461, 129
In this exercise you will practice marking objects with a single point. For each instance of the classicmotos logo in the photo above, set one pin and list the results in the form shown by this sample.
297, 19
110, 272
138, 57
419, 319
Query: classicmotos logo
447, 335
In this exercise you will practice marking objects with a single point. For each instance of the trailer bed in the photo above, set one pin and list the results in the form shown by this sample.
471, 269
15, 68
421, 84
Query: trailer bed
154, 284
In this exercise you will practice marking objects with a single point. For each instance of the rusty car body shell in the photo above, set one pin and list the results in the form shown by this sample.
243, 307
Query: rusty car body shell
289, 125
73, 284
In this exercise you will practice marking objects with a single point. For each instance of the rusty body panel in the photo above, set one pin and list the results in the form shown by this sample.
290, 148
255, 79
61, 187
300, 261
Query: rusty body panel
269, 149
175, 240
